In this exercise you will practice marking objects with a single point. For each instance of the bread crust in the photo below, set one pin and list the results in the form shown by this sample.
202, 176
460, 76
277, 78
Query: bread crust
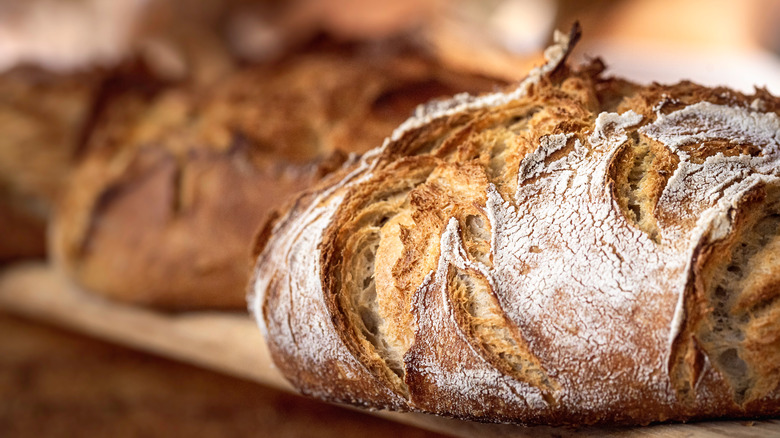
552, 246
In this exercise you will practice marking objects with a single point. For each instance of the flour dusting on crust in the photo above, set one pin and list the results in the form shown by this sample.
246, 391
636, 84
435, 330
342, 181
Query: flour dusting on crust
711, 188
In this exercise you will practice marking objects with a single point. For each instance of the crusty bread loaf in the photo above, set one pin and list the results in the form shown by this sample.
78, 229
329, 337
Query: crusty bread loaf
574, 250
42, 119
163, 208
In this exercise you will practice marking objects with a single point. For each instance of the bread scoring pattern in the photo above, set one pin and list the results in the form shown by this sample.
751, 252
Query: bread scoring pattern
549, 254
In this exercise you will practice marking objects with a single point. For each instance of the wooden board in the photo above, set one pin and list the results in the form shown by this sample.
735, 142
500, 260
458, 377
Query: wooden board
231, 343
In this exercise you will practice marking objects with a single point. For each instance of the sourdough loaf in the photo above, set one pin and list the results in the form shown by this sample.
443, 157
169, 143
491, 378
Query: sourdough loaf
573, 250
165, 203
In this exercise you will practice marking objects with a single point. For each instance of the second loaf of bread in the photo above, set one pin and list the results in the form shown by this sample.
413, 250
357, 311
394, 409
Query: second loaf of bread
577, 250
162, 208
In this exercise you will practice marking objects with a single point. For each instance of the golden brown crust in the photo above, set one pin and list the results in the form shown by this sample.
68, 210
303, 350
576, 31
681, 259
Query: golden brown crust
162, 208
552, 254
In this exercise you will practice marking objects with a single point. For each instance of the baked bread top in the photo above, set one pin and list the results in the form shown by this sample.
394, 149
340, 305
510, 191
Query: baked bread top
574, 250
163, 208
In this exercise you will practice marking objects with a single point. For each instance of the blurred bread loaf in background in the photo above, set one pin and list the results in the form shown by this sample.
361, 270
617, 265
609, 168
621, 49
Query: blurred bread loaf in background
162, 209
59, 63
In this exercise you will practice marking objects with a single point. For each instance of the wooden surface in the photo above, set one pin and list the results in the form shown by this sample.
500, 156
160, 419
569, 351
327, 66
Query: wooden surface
230, 343
60, 383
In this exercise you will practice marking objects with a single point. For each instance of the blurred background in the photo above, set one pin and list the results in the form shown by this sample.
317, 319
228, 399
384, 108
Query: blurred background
62, 62
715, 41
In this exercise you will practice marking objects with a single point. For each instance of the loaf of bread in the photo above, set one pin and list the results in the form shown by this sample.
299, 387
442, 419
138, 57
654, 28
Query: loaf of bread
163, 208
574, 250
61, 62
43, 116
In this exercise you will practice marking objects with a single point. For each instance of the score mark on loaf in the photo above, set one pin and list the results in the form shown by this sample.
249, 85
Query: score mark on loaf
575, 250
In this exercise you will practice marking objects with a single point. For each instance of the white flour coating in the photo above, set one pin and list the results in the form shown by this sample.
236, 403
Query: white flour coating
300, 324
604, 272
303, 223
711, 188
608, 273
296, 251
472, 382
705, 121
532, 165
454, 254
300, 246
304, 255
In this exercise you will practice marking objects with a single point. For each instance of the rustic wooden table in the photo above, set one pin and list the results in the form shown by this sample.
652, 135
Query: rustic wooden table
56, 382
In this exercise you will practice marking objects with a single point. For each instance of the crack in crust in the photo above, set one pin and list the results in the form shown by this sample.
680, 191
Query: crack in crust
550, 254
